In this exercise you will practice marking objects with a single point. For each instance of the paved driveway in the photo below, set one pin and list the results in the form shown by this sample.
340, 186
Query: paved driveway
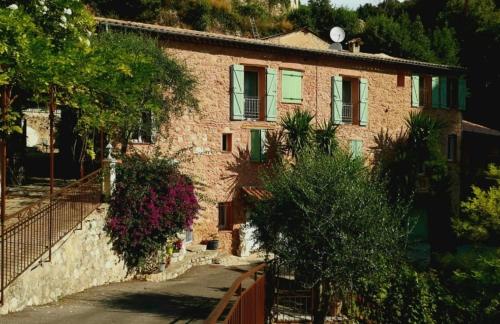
187, 299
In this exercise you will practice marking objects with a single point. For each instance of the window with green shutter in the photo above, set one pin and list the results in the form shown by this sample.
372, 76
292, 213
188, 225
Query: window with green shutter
258, 145
356, 148
291, 86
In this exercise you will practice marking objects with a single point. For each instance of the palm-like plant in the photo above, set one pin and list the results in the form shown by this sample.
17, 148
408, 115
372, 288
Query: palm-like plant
324, 137
298, 130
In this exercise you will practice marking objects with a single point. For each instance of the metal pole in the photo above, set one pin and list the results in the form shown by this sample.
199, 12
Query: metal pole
52, 104
3, 188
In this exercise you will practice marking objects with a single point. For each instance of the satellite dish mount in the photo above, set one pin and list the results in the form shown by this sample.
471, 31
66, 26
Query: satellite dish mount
337, 35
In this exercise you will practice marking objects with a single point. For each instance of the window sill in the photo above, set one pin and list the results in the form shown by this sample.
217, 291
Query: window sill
225, 230
290, 102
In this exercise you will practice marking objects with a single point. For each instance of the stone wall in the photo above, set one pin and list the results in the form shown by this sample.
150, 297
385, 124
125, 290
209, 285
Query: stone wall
222, 173
83, 259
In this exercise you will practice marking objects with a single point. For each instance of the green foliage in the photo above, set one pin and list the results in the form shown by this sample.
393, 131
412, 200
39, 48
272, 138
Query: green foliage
480, 219
329, 222
473, 278
399, 160
130, 78
143, 10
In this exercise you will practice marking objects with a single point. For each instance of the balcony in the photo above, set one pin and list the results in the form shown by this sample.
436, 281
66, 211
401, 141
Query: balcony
346, 112
252, 108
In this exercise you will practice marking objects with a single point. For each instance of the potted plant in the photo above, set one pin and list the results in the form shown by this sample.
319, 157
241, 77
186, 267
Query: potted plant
213, 243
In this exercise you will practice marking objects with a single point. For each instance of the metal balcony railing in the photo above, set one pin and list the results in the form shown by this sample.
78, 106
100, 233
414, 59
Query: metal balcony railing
347, 113
252, 107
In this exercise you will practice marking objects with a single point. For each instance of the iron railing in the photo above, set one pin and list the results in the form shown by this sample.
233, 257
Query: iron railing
249, 307
347, 113
41, 225
252, 107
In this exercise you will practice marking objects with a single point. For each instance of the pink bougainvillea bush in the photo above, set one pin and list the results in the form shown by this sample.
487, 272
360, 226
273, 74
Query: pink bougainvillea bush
152, 201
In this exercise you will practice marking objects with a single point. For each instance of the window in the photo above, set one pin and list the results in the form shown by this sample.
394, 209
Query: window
291, 86
225, 215
252, 98
356, 148
145, 131
420, 90
258, 145
350, 100
347, 107
253, 93
227, 142
422, 93
452, 147
452, 92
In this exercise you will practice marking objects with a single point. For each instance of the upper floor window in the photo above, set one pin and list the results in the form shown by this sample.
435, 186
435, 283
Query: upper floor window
438, 92
452, 92
420, 90
291, 86
253, 93
350, 100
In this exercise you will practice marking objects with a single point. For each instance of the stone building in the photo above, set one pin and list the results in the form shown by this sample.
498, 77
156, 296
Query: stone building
245, 86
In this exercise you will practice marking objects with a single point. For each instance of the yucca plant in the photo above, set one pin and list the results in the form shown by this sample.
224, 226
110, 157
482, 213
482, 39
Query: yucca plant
298, 130
325, 138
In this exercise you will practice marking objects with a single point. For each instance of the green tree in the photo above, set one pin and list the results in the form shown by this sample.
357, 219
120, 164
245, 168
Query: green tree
330, 223
133, 86
480, 219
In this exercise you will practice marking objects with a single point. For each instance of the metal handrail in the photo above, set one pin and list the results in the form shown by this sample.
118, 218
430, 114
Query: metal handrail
235, 287
45, 200
44, 224
252, 107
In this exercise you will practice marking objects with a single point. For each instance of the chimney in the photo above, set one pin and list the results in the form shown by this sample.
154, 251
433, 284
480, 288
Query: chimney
355, 45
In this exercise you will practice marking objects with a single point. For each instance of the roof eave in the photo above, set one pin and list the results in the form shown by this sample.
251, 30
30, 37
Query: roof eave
223, 40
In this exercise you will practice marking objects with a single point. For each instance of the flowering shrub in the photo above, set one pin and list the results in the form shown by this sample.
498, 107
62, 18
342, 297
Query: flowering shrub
152, 201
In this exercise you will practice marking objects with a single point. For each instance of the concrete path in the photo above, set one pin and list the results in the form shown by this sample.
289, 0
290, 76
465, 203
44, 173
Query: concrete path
187, 299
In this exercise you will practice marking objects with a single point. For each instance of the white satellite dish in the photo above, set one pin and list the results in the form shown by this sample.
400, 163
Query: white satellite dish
337, 34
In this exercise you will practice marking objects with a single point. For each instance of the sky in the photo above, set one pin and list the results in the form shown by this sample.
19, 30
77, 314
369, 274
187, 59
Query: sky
353, 4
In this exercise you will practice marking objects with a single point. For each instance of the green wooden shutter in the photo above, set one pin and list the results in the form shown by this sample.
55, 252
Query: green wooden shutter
291, 86
363, 102
415, 91
255, 145
435, 92
271, 91
337, 99
356, 148
443, 88
263, 142
237, 92
462, 93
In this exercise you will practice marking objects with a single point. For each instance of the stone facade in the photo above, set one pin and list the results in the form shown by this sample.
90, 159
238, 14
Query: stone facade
225, 173
83, 259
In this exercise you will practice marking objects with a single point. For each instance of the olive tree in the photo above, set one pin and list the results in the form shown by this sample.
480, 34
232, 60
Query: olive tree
330, 223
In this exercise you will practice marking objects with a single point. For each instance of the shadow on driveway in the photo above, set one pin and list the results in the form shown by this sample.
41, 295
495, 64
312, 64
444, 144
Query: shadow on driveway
174, 307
